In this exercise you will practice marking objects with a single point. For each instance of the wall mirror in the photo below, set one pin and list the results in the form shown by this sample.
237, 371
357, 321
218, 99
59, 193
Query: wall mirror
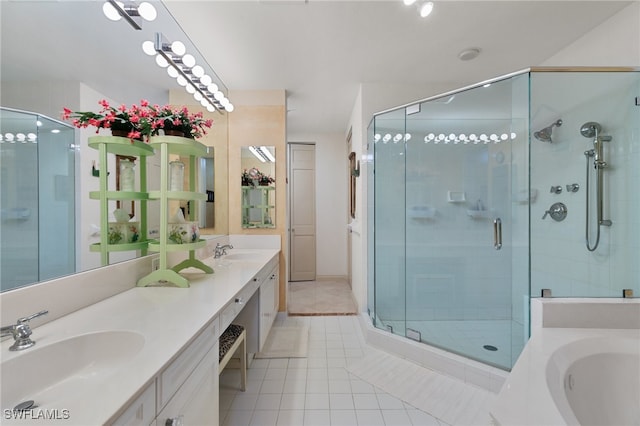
258, 187
68, 54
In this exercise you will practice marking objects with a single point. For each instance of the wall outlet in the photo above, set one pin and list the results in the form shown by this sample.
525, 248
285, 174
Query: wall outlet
155, 264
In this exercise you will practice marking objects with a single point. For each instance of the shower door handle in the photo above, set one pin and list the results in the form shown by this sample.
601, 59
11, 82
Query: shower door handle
497, 233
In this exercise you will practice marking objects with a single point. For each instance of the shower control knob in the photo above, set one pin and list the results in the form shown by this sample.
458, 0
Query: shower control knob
557, 211
556, 189
573, 187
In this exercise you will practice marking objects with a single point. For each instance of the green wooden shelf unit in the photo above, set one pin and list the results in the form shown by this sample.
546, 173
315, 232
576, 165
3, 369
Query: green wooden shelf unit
258, 207
184, 147
120, 146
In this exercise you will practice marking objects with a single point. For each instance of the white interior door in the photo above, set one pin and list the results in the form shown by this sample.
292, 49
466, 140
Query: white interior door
302, 187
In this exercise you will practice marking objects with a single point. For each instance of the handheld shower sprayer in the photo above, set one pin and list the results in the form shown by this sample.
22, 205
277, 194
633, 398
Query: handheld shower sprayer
544, 135
592, 130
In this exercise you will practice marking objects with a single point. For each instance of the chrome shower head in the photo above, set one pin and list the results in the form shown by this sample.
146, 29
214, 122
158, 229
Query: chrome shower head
590, 129
544, 135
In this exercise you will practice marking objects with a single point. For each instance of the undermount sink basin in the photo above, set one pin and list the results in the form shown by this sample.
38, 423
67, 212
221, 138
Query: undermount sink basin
53, 372
242, 256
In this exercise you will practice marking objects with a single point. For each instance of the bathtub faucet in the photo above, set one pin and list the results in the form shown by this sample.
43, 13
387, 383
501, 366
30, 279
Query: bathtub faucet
21, 332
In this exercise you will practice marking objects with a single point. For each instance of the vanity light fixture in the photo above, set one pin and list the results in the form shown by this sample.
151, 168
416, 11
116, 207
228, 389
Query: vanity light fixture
182, 66
131, 12
262, 153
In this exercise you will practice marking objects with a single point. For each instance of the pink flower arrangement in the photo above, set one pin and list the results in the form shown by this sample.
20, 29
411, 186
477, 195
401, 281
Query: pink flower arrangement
141, 121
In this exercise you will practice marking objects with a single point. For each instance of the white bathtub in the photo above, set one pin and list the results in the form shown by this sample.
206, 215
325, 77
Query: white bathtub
574, 377
596, 381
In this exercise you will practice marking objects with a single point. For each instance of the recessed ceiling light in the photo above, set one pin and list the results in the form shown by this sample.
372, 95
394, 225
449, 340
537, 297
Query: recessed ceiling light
469, 54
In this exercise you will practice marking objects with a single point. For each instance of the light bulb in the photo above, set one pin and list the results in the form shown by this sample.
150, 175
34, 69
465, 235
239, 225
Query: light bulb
21, 137
55, 131
504, 136
8, 137
161, 61
440, 137
205, 80
483, 137
218, 95
409, 2
397, 137
198, 71
149, 47
431, 136
213, 88
426, 9
181, 80
407, 136
173, 72
376, 137
178, 48
188, 60
473, 137
229, 108
190, 89
462, 137
493, 137
204, 102
111, 12
211, 108
452, 136
198, 96
385, 139
147, 11
513, 135
31, 136
225, 102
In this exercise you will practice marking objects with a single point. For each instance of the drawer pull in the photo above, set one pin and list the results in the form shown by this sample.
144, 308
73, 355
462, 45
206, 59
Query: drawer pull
239, 301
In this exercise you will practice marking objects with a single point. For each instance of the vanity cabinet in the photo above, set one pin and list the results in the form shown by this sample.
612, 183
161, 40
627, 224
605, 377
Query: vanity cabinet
196, 402
269, 303
258, 206
128, 148
184, 147
187, 390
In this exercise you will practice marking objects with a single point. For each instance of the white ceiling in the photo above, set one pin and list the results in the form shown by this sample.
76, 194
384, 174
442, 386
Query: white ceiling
319, 51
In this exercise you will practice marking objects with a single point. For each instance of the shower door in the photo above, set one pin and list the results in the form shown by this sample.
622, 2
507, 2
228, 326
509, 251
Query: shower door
451, 221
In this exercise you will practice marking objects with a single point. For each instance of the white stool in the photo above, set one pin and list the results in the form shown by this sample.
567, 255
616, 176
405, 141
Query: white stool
231, 340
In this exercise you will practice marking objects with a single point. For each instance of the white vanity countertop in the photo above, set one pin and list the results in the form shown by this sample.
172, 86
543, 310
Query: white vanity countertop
527, 398
168, 318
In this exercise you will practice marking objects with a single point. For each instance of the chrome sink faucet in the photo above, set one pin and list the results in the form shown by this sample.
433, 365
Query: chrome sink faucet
221, 250
21, 332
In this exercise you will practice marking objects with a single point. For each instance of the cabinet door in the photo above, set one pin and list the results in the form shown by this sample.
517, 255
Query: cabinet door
142, 411
269, 302
196, 402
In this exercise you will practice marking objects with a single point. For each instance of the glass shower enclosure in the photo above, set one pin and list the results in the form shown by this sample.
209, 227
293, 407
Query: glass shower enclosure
457, 192
37, 198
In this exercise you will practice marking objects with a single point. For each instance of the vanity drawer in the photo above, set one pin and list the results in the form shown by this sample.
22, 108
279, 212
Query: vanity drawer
233, 309
178, 371
142, 411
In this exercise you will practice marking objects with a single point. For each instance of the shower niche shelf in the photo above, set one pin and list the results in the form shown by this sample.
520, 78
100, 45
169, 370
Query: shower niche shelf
480, 214
456, 196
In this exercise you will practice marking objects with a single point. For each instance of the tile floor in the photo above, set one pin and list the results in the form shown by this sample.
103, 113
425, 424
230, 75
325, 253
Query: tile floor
326, 297
318, 390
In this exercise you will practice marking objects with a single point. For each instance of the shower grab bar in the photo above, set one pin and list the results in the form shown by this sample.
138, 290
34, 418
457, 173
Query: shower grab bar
497, 233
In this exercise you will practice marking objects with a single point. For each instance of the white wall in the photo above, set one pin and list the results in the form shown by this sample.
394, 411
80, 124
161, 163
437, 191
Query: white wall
616, 42
331, 201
